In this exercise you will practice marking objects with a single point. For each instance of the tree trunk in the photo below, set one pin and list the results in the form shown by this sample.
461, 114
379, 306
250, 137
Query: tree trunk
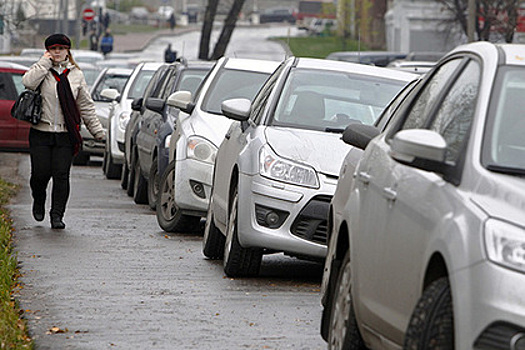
207, 26
227, 29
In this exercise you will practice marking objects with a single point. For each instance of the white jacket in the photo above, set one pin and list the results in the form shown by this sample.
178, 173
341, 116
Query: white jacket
52, 118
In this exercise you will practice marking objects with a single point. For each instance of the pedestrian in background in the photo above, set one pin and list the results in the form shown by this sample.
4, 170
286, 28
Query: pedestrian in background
172, 21
106, 43
170, 55
93, 40
56, 138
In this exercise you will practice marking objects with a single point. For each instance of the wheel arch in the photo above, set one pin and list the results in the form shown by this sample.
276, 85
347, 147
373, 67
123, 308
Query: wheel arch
436, 268
234, 182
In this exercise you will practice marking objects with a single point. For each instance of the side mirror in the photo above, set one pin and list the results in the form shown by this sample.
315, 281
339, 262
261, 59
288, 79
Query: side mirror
416, 146
182, 101
136, 104
237, 109
155, 104
110, 94
359, 135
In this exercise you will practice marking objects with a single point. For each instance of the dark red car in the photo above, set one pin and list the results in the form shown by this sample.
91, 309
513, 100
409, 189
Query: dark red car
13, 133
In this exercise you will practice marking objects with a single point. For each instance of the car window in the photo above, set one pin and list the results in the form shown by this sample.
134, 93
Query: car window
230, 83
421, 108
17, 80
392, 109
191, 79
315, 99
260, 100
140, 83
454, 116
154, 82
7, 90
109, 81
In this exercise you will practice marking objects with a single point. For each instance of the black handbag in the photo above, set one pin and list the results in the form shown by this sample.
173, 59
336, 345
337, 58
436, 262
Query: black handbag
28, 106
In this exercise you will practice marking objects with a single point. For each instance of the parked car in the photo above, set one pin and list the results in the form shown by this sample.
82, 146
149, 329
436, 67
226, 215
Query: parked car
21, 60
156, 125
91, 73
276, 170
13, 133
375, 58
417, 67
427, 249
87, 56
429, 56
119, 112
153, 89
108, 79
185, 186
277, 14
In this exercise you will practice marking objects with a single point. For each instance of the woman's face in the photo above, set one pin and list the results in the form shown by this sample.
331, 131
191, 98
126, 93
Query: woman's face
58, 53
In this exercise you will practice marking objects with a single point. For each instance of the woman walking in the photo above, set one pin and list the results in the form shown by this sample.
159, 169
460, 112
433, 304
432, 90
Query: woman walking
56, 138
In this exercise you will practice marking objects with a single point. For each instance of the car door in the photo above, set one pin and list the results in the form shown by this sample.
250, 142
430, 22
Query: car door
401, 206
13, 133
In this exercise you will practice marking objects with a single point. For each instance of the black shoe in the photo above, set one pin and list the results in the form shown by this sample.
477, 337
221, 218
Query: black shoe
57, 223
38, 210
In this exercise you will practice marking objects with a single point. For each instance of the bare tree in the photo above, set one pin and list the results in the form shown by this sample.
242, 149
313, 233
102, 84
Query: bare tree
495, 19
226, 33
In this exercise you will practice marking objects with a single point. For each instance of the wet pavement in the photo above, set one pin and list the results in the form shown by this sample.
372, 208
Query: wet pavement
114, 280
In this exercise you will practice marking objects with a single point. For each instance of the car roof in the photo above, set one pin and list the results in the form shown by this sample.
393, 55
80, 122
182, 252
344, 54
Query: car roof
511, 54
119, 71
253, 65
355, 68
11, 65
151, 65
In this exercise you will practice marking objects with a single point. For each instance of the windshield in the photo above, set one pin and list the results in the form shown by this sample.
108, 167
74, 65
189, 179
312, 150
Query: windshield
109, 81
191, 79
139, 84
504, 143
232, 84
327, 100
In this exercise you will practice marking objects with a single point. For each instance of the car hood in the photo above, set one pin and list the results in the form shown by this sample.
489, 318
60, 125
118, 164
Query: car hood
503, 197
323, 150
210, 126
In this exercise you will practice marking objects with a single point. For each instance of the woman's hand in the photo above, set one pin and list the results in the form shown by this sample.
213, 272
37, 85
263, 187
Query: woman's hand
47, 54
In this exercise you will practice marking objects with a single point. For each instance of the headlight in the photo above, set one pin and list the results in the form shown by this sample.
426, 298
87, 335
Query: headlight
167, 141
280, 169
505, 244
123, 120
201, 149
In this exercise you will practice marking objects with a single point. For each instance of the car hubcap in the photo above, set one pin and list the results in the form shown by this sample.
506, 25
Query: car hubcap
167, 202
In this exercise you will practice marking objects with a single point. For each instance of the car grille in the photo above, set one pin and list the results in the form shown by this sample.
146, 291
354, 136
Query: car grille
312, 222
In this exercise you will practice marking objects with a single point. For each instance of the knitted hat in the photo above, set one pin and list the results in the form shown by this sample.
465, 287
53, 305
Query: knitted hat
57, 39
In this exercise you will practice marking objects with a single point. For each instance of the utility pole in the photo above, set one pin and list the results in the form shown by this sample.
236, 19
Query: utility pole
471, 20
65, 26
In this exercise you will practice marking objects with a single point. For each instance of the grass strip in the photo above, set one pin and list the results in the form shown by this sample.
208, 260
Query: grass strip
319, 46
13, 331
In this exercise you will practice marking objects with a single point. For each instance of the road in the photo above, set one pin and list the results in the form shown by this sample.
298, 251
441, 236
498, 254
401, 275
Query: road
114, 280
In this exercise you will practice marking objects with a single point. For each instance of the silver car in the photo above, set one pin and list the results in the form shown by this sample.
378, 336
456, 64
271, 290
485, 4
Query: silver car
119, 113
427, 250
277, 168
185, 187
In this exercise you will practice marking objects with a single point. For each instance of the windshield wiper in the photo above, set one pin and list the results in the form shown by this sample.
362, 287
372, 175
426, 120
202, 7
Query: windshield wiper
335, 130
506, 170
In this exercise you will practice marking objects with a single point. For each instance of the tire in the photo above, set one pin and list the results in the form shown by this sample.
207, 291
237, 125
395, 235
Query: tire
239, 261
124, 176
153, 184
82, 158
213, 241
131, 178
171, 219
343, 333
140, 186
432, 323
112, 170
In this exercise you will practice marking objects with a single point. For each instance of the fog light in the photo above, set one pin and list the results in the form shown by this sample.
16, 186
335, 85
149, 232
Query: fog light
518, 342
272, 218
198, 189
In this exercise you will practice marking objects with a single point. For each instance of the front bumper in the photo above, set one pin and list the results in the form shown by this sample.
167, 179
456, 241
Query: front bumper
303, 231
89, 144
193, 181
489, 312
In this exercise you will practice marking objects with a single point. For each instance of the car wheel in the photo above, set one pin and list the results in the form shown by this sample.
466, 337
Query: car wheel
171, 219
213, 241
111, 169
153, 184
432, 323
343, 333
239, 261
140, 185
124, 176
131, 178
82, 158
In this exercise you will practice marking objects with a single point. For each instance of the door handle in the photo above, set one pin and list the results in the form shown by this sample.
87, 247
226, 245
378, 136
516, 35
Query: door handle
364, 177
389, 193
228, 135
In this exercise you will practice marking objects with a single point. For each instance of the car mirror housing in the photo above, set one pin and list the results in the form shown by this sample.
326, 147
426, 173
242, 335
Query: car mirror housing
110, 94
407, 145
155, 104
136, 104
359, 135
237, 109
182, 101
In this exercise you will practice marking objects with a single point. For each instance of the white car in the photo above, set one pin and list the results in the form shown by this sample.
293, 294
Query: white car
277, 168
119, 113
428, 241
199, 130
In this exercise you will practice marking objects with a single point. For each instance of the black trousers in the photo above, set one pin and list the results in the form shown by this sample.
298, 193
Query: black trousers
51, 156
